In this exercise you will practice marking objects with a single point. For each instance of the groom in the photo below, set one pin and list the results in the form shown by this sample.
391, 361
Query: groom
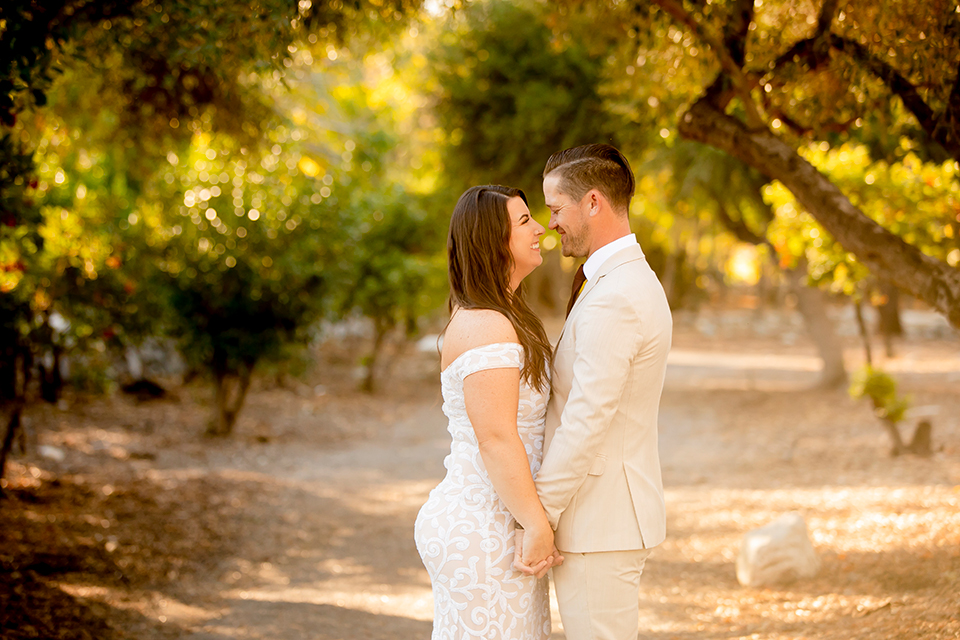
600, 480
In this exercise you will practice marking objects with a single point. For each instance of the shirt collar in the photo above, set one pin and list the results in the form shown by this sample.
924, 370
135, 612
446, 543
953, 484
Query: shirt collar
596, 260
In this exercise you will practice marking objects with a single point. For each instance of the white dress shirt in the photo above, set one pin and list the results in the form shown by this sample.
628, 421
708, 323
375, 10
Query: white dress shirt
596, 260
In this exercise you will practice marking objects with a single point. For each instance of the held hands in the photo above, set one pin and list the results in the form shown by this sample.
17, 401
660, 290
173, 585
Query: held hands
535, 552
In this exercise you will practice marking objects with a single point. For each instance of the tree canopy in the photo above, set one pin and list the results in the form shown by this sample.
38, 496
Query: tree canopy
229, 175
785, 74
191, 169
510, 93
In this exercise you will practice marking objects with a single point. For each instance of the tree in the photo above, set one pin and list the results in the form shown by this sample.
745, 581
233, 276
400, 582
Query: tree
246, 263
735, 193
766, 72
909, 197
165, 71
239, 244
395, 274
510, 94
18, 228
765, 83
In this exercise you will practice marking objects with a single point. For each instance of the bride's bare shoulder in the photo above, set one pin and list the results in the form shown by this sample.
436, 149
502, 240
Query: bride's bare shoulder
482, 326
472, 328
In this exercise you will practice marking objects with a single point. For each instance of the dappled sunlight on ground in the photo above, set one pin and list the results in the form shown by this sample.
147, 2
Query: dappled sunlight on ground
301, 524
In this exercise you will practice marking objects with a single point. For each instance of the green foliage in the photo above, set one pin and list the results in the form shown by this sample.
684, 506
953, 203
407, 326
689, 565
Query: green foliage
841, 98
236, 249
706, 211
19, 217
881, 389
651, 69
916, 200
172, 56
395, 273
511, 94
201, 168
244, 247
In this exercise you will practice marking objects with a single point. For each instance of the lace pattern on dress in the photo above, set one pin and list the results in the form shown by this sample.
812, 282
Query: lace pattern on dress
464, 532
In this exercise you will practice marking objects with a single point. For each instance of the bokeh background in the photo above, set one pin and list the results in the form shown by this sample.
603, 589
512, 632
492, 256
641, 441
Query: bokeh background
223, 276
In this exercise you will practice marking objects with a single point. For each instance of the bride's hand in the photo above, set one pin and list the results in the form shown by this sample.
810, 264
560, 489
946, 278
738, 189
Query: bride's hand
518, 556
555, 559
518, 553
537, 546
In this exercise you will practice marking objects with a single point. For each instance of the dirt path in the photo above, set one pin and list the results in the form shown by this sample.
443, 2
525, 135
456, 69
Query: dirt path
743, 442
317, 498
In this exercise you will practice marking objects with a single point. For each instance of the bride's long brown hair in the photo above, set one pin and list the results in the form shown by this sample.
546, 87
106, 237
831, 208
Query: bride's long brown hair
480, 263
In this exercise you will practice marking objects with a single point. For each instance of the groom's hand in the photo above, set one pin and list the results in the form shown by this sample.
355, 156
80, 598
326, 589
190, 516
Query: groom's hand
540, 569
555, 559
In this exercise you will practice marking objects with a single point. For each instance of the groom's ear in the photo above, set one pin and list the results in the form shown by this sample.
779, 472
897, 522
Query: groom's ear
594, 201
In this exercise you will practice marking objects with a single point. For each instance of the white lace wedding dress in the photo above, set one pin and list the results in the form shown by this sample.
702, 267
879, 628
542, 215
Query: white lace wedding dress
464, 532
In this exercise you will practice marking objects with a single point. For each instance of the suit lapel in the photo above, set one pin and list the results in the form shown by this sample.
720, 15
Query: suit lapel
625, 255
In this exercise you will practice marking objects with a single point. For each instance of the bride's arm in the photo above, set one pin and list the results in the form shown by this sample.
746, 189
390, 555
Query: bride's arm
491, 397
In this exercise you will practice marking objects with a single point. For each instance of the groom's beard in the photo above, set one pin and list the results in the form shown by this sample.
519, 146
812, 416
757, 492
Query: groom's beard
575, 244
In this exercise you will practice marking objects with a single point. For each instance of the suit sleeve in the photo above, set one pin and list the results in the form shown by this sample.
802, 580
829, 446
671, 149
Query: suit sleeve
607, 333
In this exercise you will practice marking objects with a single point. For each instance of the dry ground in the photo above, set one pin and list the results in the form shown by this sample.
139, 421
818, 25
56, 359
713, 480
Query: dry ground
300, 526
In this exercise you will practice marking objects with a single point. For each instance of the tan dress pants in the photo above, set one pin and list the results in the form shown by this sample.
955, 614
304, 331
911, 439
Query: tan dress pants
599, 594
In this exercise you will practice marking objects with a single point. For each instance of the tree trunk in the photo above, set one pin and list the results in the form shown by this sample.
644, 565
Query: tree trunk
812, 304
883, 252
864, 332
369, 384
400, 348
13, 426
669, 278
889, 312
544, 285
896, 442
13, 388
231, 392
51, 380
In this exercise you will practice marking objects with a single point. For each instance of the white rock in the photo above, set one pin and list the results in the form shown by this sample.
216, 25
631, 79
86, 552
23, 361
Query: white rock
777, 553
51, 453
134, 363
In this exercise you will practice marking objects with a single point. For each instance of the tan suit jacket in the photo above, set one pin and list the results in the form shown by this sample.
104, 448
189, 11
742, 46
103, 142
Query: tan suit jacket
600, 480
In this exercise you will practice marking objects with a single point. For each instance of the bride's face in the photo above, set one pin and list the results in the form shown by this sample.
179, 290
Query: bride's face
525, 235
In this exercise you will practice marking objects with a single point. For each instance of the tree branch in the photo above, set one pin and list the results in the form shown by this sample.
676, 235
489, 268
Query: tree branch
742, 83
825, 21
885, 253
898, 84
816, 48
815, 51
949, 125
735, 32
801, 129
944, 130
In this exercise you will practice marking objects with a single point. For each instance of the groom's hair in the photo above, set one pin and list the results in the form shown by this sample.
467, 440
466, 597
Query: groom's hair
594, 166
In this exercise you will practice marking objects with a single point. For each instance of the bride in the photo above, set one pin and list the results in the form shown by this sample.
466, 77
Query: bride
495, 368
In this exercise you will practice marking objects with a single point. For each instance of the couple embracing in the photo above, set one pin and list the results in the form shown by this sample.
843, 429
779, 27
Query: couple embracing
554, 460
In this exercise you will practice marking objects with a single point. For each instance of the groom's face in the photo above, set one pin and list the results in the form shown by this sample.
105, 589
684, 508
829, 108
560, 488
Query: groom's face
567, 219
